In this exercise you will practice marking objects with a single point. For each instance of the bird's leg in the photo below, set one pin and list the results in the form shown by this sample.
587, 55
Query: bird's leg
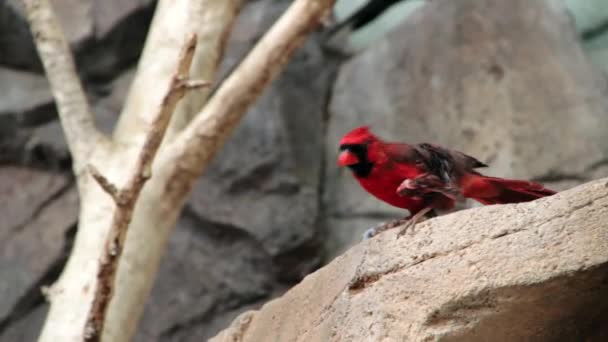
373, 231
415, 219
409, 221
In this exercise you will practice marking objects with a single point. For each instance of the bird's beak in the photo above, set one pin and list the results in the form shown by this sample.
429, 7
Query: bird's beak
347, 158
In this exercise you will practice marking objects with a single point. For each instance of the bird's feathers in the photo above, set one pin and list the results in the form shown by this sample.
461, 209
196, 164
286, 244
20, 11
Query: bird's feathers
414, 177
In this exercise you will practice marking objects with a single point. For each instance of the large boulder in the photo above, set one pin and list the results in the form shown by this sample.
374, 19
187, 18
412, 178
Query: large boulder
505, 81
526, 272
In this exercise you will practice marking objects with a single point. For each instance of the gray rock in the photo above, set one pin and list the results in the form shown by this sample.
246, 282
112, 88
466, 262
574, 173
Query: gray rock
107, 109
506, 82
23, 194
109, 14
32, 252
16, 42
120, 32
76, 18
266, 178
27, 328
210, 270
105, 35
26, 96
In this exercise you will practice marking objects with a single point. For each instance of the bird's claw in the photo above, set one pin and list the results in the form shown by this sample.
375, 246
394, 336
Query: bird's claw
407, 226
373, 231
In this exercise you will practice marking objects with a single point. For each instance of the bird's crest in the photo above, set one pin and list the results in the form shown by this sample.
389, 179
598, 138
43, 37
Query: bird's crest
359, 135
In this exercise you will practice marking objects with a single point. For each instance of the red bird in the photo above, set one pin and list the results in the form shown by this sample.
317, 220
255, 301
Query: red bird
424, 177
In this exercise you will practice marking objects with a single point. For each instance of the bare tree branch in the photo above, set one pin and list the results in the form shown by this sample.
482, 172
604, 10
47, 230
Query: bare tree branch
105, 184
126, 197
195, 146
212, 22
74, 112
80, 298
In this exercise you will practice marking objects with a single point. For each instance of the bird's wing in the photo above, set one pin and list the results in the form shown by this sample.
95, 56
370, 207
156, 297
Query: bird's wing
403, 153
445, 162
428, 183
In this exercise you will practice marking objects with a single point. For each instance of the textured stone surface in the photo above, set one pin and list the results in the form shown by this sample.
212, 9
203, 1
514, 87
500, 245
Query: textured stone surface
120, 31
26, 96
27, 328
23, 193
527, 272
271, 165
506, 82
210, 270
16, 44
32, 252
108, 14
106, 35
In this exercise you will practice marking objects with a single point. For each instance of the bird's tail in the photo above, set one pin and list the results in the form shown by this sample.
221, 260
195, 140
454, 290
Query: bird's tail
492, 190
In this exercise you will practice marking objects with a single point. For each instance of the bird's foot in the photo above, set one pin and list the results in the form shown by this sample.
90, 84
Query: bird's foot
407, 226
411, 222
373, 231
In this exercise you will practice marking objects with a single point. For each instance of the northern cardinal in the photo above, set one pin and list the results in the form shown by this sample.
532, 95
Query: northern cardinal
424, 177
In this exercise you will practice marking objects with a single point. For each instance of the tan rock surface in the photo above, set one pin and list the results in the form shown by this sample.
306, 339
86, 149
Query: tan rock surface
528, 272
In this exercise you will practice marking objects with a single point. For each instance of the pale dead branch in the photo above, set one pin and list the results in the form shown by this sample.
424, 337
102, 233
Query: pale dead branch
74, 112
202, 138
212, 21
126, 198
86, 300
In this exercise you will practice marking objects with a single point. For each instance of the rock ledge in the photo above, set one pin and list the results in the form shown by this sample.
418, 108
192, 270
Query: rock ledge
528, 272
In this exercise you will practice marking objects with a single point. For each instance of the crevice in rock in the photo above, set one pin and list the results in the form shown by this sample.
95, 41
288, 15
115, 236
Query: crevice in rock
46, 158
360, 283
41, 207
223, 231
33, 297
308, 251
597, 165
505, 303
555, 176
118, 50
457, 312
37, 116
596, 31
204, 318
227, 233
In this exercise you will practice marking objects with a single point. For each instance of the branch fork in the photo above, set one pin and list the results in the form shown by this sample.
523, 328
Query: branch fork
125, 198
76, 315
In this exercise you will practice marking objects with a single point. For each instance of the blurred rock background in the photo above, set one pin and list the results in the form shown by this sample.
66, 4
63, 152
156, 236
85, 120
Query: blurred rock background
522, 85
